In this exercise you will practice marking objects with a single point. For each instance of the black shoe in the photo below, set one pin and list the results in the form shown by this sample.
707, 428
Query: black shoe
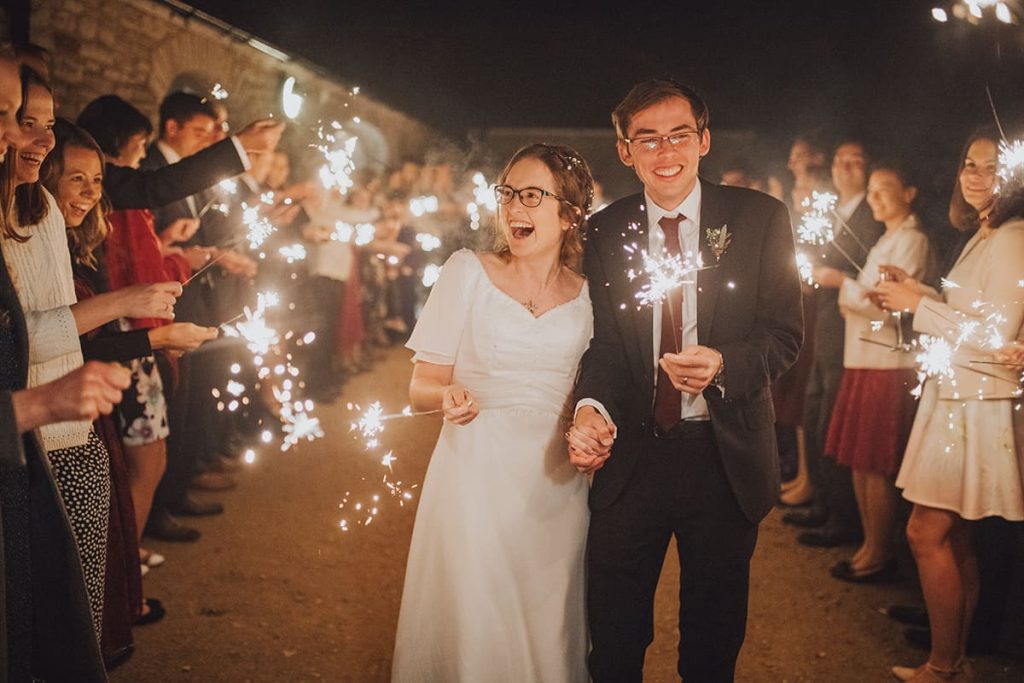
921, 639
190, 507
829, 536
908, 615
885, 573
805, 519
163, 527
112, 660
156, 612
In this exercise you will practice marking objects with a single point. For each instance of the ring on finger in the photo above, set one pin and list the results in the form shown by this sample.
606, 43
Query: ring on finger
685, 380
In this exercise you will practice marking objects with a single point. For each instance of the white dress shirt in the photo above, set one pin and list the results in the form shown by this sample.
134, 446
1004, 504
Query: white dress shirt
694, 407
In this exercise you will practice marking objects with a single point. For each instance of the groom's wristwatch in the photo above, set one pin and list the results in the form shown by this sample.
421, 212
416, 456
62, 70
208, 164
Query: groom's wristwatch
719, 379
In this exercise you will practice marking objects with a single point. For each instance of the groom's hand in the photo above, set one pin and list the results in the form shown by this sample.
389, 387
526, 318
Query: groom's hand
692, 369
590, 440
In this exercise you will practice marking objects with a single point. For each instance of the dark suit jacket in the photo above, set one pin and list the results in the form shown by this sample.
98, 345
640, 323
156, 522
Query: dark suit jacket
829, 327
749, 308
195, 304
157, 184
64, 644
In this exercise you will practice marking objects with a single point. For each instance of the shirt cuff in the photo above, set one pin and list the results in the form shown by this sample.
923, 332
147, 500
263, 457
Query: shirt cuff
596, 405
242, 154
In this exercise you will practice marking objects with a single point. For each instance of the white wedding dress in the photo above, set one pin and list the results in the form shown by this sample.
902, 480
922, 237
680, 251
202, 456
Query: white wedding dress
494, 585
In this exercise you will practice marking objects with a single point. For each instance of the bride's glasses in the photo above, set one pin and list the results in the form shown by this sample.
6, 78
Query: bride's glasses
530, 197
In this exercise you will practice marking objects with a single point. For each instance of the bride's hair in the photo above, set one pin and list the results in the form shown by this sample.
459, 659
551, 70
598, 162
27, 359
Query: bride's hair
573, 183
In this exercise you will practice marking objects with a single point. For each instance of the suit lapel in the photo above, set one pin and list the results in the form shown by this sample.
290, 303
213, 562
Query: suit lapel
643, 316
713, 214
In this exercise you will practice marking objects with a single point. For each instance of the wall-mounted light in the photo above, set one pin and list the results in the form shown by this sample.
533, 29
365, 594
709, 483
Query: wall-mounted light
291, 101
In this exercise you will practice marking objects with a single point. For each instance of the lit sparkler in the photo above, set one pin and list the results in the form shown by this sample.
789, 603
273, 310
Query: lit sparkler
418, 206
336, 173
430, 274
293, 252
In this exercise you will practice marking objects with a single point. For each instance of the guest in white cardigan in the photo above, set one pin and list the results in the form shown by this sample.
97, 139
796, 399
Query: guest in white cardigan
875, 409
963, 460
36, 253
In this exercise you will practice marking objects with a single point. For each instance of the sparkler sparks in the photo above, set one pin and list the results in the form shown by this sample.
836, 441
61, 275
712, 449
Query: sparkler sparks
1011, 163
665, 273
336, 173
418, 206
293, 252
258, 228
430, 274
805, 268
218, 92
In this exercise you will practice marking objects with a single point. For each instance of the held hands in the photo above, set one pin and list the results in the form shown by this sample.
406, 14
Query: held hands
180, 337
261, 137
590, 440
458, 405
692, 369
150, 301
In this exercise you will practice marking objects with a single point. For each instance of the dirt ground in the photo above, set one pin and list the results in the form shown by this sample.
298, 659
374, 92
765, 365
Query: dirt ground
275, 591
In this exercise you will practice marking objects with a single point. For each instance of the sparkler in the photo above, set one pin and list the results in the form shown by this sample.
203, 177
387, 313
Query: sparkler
418, 206
817, 224
665, 273
227, 186
806, 269
428, 242
336, 173
430, 274
293, 252
218, 92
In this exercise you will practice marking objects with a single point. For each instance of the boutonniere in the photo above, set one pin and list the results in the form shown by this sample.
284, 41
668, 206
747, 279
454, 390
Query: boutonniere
718, 240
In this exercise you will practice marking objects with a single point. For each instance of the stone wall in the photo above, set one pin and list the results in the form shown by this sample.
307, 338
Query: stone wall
139, 49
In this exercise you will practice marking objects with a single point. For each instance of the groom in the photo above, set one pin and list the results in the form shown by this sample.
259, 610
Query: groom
677, 424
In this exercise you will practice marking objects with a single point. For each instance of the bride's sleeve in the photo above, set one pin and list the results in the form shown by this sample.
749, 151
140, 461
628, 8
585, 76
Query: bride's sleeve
435, 339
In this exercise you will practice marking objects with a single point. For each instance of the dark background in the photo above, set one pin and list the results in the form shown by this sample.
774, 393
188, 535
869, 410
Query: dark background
884, 70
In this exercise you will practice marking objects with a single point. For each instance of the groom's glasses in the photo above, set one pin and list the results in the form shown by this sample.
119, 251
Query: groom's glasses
652, 143
530, 197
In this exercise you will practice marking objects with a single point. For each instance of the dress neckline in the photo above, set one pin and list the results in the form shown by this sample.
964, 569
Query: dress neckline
518, 304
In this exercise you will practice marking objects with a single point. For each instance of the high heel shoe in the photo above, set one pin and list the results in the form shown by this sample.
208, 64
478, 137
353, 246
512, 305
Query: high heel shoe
963, 672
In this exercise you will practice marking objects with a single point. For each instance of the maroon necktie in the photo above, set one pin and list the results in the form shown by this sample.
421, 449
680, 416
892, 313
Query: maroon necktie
668, 402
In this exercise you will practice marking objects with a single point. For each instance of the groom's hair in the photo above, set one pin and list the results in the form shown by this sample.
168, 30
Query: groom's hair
651, 92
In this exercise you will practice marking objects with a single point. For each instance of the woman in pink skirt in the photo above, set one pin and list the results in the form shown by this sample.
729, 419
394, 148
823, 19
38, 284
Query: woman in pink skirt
874, 409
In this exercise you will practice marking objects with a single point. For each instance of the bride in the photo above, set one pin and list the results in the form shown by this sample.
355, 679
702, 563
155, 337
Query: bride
494, 585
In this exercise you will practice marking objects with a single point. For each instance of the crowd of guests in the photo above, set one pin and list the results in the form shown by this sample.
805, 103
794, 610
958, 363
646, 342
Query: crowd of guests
125, 255
861, 454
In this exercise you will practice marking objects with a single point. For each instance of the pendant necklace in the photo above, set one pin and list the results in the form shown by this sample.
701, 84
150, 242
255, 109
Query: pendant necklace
530, 305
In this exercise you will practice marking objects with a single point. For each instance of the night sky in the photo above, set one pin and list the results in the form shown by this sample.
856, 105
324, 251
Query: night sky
883, 69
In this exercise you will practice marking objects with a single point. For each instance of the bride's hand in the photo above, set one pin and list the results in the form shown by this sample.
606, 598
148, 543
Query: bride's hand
458, 405
590, 440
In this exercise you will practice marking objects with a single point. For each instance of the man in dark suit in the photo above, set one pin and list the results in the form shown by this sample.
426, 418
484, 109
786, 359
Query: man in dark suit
187, 127
674, 415
833, 514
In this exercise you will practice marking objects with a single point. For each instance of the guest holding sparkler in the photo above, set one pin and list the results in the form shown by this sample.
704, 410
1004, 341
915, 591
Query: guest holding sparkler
494, 586
36, 252
874, 409
963, 460
46, 630
832, 517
